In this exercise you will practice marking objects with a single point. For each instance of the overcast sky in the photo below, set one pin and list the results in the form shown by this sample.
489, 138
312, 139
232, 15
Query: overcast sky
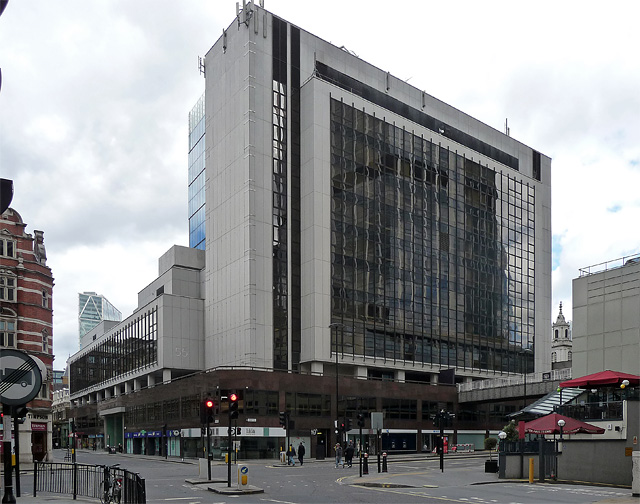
95, 98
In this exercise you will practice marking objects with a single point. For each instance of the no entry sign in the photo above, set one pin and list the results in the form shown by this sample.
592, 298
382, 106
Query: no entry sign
20, 377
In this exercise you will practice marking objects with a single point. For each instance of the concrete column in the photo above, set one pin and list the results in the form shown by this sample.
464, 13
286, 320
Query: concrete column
317, 368
434, 379
127, 387
361, 372
151, 381
166, 376
136, 384
116, 391
400, 374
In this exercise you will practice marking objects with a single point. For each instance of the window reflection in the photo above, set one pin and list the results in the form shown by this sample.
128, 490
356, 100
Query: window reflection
432, 252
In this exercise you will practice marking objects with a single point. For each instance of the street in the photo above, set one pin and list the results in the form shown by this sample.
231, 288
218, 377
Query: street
408, 480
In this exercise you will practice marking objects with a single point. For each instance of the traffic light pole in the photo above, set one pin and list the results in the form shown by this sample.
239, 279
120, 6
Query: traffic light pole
17, 443
6, 448
229, 441
361, 448
208, 450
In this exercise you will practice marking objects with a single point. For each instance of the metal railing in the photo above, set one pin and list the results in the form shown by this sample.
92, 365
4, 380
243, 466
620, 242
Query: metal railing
516, 379
86, 480
609, 265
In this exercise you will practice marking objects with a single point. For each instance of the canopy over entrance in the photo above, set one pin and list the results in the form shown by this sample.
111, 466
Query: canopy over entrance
548, 424
602, 378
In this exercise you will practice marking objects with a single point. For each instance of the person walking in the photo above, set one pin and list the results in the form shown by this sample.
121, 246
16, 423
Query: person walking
338, 449
301, 452
348, 454
291, 453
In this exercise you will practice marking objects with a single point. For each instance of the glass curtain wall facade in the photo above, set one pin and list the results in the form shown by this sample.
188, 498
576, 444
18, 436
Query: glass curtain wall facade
93, 309
197, 175
432, 253
132, 347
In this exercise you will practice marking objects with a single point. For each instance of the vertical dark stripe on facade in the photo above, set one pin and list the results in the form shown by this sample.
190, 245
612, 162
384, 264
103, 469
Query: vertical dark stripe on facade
279, 185
296, 303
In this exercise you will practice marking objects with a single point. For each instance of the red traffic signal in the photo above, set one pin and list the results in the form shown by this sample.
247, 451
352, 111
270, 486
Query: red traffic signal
208, 403
233, 397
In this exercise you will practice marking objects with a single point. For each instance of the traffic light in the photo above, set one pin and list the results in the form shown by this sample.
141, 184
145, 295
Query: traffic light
233, 406
343, 426
21, 413
207, 411
360, 420
349, 424
283, 419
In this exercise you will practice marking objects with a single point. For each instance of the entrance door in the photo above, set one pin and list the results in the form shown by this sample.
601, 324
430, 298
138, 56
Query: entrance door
39, 445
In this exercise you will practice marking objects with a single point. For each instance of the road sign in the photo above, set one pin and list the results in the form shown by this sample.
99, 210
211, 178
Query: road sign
377, 420
20, 377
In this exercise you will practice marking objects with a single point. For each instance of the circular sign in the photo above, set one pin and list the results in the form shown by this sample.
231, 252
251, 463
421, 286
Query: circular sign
244, 469
20, 377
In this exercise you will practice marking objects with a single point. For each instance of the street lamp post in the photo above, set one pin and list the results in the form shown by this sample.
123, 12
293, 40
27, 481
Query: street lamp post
336, 325
561, 424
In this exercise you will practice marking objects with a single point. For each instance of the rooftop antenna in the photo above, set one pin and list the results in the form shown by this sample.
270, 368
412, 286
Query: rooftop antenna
507, 131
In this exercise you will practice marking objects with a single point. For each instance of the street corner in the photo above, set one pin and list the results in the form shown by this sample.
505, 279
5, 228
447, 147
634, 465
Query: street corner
224, 489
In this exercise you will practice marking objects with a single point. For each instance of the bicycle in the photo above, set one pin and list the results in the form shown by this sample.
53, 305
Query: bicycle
111, 486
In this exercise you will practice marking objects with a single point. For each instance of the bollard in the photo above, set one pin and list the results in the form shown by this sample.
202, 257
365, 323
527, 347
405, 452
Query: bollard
365, 464
384, 462
531, 470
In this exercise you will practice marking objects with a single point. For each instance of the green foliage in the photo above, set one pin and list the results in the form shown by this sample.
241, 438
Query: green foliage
511, 430
490, 444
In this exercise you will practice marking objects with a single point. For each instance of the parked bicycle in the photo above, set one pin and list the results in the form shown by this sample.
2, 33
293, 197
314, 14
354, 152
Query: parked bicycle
112, 486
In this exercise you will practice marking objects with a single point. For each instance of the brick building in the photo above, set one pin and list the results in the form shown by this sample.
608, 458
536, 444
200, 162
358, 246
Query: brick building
26, 321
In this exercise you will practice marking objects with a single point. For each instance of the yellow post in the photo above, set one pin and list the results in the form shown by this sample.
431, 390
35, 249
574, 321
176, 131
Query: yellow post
531, 470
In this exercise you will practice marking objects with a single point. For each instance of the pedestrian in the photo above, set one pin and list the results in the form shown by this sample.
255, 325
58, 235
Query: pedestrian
301, 452
291, 453
338, 449
348, 454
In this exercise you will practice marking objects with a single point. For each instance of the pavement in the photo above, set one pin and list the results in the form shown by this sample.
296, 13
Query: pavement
351, 476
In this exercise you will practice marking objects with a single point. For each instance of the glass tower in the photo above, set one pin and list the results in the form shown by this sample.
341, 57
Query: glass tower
196, 175
94, 308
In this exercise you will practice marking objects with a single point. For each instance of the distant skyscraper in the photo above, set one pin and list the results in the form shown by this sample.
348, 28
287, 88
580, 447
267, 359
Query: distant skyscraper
196, 176
94, 308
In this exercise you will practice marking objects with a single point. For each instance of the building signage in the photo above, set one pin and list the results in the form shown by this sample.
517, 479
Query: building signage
38, 427
20, 377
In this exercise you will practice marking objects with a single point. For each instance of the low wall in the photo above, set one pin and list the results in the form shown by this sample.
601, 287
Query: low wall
594, 462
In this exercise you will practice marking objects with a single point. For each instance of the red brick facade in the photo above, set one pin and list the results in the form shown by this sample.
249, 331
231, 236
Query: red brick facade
26, 315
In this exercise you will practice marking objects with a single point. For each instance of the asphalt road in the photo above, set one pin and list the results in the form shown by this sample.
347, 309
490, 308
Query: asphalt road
407, 481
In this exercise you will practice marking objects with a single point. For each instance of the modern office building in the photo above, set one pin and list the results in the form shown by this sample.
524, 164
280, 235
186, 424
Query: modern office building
361, 235
606, 317
93, 309
26, 322
197, 175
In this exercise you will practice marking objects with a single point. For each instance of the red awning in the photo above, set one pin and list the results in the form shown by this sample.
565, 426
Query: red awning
602, 378
548, 424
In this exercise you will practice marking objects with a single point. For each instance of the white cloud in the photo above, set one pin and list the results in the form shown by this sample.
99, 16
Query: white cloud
95, 97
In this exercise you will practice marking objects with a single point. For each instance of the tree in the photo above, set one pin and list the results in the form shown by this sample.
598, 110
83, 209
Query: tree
511, 429
490, 444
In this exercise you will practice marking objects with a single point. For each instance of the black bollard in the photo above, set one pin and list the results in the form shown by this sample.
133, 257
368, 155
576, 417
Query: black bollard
365, 464
384, 462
